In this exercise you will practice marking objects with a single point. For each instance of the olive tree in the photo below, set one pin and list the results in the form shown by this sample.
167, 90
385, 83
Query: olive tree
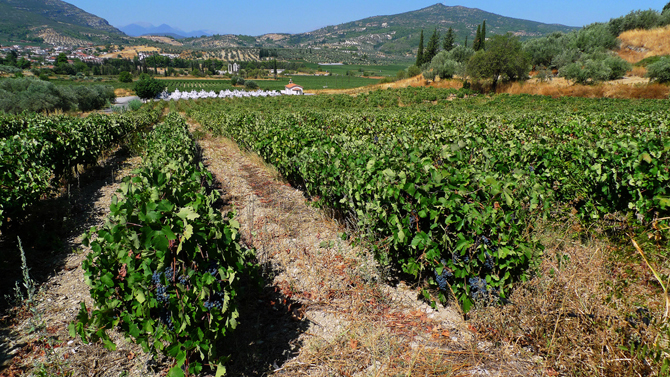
503, 59
444, 66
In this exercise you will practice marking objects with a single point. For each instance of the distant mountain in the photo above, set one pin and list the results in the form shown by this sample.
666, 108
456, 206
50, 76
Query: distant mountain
384, 36
53, 21
400, 33
139, 29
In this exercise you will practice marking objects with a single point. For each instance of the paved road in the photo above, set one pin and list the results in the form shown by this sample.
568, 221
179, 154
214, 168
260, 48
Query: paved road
123, 101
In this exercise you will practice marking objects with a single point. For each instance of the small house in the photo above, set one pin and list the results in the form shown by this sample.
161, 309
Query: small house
292, 89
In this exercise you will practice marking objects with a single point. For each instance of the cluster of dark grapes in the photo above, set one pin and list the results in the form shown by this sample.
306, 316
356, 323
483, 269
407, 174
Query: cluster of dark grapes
169, 273
183, 279
215, 301
442, 278
166, 319
376, 139
213, 268
161, 290
213, 304
456, 258
488, 263
478, 290
161, 293
156, 278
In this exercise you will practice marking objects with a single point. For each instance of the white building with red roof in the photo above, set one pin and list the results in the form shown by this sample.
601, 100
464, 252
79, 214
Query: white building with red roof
292, 89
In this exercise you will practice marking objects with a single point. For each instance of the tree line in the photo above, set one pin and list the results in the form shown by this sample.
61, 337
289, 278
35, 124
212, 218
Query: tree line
582, 56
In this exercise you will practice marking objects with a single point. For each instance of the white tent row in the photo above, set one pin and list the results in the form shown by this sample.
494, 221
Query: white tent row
177, 95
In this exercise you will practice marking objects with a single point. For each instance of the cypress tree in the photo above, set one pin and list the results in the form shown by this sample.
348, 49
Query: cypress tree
448, 44
482, 43
433, 47
419, 54
478, 39
466, 41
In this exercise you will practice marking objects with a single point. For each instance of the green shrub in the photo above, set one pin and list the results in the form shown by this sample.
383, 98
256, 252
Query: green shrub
429, 74
135, 104
250, 84
444, 66
147, 87
594, 68
660, 70
461, 54
413, 71
125, 76
236, 80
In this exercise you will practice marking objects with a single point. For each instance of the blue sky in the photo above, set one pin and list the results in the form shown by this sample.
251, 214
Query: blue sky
256, 17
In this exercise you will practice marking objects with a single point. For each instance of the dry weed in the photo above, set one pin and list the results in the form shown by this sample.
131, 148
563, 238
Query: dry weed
558, 88
638, 72
583, 310
639, 44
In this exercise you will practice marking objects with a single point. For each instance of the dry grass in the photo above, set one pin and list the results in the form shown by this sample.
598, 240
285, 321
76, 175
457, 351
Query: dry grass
120, 92
584, 305
412, 81
639, 44
560, 88
638, 72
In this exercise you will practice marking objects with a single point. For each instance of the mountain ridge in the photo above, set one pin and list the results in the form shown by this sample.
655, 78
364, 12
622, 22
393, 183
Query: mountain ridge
397, 34
39, 20
138, 29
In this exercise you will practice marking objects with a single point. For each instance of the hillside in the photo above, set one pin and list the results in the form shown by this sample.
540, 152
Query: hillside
54, 22
396, 35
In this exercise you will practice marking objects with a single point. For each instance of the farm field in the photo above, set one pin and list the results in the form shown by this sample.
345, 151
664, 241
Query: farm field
307, 82
379, 70
460, 217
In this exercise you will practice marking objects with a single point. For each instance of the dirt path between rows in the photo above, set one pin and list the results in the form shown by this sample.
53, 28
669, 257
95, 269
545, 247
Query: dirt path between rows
355, 323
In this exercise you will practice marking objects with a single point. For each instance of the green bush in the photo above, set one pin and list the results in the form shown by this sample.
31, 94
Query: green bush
135, 104
429, 74
413, 71
236, 80
461, 54
444, 66
594, 68
28, 94
147, 87
250, 84
125, 76
660, 70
